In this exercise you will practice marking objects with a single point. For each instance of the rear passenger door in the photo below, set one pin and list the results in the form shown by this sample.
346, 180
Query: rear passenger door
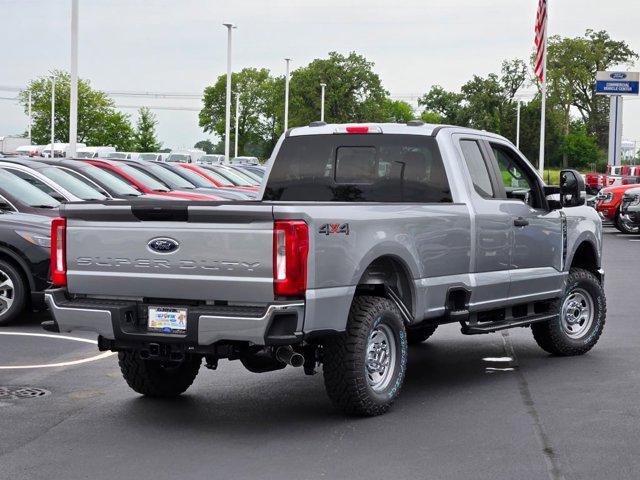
493, 227
536, 258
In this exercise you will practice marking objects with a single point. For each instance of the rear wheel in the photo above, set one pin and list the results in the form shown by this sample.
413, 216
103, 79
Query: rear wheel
364, 367
13, 294
154, 378
581, 319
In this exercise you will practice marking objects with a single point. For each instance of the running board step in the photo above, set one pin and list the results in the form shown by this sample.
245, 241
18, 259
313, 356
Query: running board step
488, 327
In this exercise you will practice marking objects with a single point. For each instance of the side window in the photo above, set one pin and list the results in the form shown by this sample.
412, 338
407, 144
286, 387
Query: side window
517, 180
33, 181
477, 168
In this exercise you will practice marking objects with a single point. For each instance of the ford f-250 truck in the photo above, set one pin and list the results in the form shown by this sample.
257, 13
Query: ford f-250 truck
366, 239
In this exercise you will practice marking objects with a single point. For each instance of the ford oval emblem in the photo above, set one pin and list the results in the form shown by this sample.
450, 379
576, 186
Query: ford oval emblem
618, 76
163, 245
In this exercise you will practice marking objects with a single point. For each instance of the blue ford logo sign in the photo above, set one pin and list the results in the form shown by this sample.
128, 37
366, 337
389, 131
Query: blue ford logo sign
163, 245
618, 76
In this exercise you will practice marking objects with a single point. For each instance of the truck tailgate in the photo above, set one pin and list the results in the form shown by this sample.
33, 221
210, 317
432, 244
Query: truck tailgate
214, 251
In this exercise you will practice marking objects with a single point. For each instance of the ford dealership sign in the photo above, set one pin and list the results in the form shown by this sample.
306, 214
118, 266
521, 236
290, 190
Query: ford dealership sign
617, 83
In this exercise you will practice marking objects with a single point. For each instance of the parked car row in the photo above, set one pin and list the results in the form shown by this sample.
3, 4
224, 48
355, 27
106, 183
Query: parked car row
32, 189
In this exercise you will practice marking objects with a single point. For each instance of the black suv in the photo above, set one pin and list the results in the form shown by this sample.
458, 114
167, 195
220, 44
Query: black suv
25, 218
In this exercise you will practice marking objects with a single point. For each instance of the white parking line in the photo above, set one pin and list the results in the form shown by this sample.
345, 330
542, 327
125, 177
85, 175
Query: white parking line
54, 365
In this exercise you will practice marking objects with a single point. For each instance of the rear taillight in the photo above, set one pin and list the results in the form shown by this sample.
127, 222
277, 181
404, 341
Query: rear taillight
290, 250
58, 252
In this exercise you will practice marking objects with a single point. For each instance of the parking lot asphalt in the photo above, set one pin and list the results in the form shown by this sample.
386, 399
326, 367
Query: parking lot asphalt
483, 407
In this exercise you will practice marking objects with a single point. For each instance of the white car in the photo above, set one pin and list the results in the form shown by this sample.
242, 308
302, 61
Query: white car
94, 152
191, 155
245, 161
123, 156
212, 159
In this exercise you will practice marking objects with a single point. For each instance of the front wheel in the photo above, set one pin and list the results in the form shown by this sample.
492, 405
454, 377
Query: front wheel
625, 225
155, 378
581, 319
364, 367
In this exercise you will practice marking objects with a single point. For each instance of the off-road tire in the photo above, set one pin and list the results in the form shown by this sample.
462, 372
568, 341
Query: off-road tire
344, 358
154, 378
19, 294
420, 333
550, 335
624, 227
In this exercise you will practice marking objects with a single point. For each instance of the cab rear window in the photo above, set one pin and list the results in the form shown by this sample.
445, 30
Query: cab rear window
359, 168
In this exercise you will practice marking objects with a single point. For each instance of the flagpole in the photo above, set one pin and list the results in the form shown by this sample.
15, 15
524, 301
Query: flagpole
543, 106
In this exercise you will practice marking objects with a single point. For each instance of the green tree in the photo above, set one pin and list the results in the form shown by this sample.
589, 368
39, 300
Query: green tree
353, 92
255, 117
579, 148
207, 145
99, 123
486, 103
398, 111
571, 70
146, 140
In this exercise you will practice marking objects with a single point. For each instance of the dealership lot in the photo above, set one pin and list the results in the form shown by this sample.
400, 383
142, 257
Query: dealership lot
493, 406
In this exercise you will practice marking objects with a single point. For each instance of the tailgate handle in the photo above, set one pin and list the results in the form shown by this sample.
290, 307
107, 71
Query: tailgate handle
164, 213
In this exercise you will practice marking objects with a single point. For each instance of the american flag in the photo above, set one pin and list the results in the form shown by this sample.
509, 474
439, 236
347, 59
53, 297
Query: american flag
541, 44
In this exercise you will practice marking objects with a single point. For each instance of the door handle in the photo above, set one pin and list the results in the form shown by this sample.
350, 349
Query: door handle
520, 222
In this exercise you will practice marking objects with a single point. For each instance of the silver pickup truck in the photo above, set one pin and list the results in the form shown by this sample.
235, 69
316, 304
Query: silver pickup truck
366, 239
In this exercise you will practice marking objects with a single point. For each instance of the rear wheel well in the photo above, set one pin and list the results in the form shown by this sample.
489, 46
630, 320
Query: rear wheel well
586, 258
383, 272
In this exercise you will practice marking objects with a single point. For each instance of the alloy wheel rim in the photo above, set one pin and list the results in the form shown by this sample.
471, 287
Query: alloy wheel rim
380, 364
7, 292
577, 313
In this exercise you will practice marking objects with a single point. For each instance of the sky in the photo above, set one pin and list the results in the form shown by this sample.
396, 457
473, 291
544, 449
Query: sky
180, 46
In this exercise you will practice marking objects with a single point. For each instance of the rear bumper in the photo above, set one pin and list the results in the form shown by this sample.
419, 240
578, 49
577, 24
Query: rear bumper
124, 322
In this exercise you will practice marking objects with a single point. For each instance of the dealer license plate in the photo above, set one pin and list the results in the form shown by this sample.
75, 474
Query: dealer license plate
167, 320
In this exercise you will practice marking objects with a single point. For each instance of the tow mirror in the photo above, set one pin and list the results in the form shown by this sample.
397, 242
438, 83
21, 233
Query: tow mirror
572, 189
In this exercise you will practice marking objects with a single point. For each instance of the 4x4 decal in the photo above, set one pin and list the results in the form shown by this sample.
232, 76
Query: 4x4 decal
331, 228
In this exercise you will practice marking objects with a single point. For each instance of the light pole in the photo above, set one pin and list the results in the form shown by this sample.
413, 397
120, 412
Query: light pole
30, 117
73, 100
286, 95
235, 150
227, 116
53, 114
322, 85
518, 126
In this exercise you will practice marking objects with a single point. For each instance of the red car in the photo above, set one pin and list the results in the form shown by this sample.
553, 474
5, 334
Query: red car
595, 182
608, 206
216, 178
146, 183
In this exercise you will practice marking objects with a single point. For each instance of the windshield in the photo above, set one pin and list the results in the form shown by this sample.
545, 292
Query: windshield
84, 155
235, 177
195, 178
170, 178
247, 173
148, 156
25, 192
72, 184
179, 158
146, 180
217, 177
117, 155
119, 187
